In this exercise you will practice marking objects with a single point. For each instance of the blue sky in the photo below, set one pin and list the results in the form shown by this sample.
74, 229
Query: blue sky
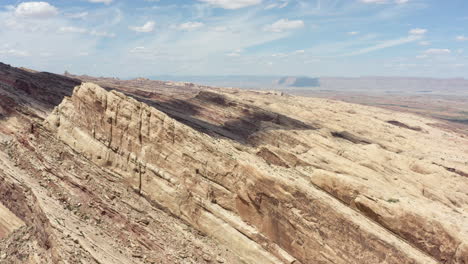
129, 38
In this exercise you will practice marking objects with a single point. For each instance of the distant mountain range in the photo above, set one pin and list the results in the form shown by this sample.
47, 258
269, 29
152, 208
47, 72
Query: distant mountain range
368, 84
298, 82
245, 81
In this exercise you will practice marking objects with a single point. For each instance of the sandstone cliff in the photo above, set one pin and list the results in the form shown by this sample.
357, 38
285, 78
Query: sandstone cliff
168, 174
274, 207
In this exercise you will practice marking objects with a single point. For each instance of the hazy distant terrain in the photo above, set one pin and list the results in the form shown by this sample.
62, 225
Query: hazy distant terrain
388, 85
443, 99
241, 81
397, 85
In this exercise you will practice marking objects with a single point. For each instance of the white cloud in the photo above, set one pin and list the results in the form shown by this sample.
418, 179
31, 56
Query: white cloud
139, 49
352, 33
461, 38
147, 27
81, 15
401, 1
418, 31
437, 51
235, 53
279, 55
79, 30
190, 25
232, 4
284, 24
14, 52
101, 34
386, 44
299, 51
101, 1
72, 30
146, 52
277, 5
36, 10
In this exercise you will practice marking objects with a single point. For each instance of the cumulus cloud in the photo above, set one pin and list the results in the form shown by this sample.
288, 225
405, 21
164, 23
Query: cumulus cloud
284, 24
101, 1
147, 27
190, 26
437, 51
462, 38
232, 4
35, 10
418, 31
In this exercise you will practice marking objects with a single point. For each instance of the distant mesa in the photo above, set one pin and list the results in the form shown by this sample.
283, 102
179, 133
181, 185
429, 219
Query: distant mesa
298, 82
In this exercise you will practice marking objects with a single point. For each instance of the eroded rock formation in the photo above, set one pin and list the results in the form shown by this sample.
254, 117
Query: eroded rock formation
264, 213
205, 175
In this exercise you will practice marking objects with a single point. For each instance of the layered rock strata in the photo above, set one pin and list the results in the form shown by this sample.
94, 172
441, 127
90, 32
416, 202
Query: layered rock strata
264, 213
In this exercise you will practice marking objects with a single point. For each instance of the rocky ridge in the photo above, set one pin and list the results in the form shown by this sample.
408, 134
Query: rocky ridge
162, 176
215, 187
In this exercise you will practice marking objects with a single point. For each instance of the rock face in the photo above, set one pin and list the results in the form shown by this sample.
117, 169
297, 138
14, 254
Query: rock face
206, 175
9, 222
264, 213
69, 209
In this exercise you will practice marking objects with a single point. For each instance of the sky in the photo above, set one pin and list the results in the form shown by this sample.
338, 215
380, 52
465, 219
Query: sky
131, 38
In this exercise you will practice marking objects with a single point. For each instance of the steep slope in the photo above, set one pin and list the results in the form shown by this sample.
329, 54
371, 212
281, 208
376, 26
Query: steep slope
58, 207
179, 173
265, 213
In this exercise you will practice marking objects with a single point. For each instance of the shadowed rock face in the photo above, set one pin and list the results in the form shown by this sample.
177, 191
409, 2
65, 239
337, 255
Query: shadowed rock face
35, 87
204, 174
